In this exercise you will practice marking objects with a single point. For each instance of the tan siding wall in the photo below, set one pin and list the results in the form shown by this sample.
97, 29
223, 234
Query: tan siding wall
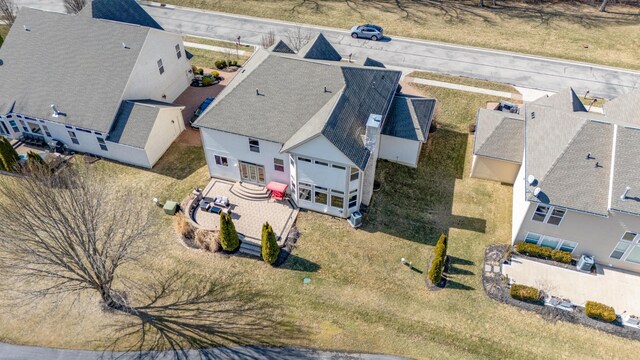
492, 169
595, 235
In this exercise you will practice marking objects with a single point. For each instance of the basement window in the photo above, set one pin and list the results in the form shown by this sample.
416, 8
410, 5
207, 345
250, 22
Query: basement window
102, 144
178, 51
74, 138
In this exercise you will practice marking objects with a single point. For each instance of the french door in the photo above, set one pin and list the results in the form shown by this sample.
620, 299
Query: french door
252, 173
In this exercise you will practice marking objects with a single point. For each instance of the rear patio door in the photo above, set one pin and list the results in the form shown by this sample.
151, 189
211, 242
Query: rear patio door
252, 173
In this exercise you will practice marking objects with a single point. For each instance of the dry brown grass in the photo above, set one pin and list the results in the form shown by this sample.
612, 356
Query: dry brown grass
565, 29
183, 226
207, 240
361, 298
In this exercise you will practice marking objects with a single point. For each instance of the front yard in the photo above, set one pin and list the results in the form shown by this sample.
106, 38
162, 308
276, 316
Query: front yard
361, 298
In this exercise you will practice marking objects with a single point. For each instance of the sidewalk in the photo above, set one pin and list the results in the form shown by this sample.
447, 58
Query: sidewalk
216, 48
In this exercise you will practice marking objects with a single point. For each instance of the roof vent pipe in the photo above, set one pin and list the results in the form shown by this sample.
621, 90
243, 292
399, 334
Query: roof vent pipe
623, 197
532, 180
325, 89
26, 28
537, 191
125, 46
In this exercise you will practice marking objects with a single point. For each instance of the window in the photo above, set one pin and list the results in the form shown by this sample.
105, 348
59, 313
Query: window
338, 167
629, 236
548, 214
84, 131
634, 255
337, 199
556, 216
102, 144
540, 213
278, 164
321, 163
620, 250
4, 127
568, 245
14, 126
353, 199
254, 145
221, 160
178, 52
320, 195
304, 192
293, 164
73, 137
550, 242
355, 174
24, 126
160, 67
293, 186
46, 130
304, 159
532, 238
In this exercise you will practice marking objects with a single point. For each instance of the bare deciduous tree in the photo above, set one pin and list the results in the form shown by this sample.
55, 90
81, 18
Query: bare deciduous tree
268, 39
74, 6
70, 232
8, 11
297, 38
603, 5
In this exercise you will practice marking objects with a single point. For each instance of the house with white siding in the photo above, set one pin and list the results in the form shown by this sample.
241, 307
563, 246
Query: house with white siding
100, 82
314, 123
575, 174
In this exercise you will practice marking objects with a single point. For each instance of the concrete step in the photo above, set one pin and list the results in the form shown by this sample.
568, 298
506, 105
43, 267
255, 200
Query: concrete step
251, 248
250, 192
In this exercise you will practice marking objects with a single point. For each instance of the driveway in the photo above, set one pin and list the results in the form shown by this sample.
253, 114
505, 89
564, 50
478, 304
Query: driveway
191, 99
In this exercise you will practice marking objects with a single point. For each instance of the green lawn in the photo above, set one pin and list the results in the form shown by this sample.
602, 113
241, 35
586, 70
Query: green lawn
206, 58
4, 30
462, 80
572, 30
361, 298
219, 43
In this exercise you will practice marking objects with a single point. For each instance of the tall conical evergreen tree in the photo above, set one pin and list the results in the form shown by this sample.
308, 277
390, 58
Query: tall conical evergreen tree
270, 248
229, 240
439, 259
8, 156
35, 163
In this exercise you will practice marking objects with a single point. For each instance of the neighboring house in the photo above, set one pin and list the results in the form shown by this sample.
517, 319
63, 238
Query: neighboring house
315, 123
579, 187
100, 82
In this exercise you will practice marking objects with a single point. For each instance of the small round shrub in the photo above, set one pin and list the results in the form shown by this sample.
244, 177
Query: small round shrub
215, 74
598, 311
194, 69
207, 81
233, 63
200, 71
525, 293
221, 64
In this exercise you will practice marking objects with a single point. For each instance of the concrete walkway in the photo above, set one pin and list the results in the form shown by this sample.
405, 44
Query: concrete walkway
215, 48
612, 287
473, 89
14, 352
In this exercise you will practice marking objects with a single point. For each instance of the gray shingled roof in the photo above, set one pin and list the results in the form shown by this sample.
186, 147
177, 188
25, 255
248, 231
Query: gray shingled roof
134, 122
281, 47
575, 181
74, 62
566, 100
626, 171
409, 118
294, 107
320, 49
125, 11
372, 62
499, 135
625, 108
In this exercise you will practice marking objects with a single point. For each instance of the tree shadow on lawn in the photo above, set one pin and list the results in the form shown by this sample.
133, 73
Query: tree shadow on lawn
297, 263
452, 284
181, 312
417, 204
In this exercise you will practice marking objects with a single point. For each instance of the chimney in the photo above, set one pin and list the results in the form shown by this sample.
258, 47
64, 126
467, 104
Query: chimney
371, 142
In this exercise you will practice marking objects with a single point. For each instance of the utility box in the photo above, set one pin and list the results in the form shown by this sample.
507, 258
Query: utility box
355, 220
170, 207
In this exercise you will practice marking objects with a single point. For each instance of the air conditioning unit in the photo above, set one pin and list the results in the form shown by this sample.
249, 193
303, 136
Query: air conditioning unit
585, 263
355, 220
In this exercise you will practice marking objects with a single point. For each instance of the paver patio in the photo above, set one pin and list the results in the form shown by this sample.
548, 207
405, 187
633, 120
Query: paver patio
248, 214
612, 287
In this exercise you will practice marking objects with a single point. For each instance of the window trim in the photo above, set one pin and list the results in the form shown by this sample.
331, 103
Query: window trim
549, 214
254, 147
221, 160
542, 237
352, 173
278, 167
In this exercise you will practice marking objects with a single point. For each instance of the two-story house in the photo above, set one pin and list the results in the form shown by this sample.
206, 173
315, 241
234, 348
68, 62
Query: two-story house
314, 123
577, 179
100, 82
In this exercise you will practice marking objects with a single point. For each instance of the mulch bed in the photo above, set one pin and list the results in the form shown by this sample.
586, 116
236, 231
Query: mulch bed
289, 244
496, 287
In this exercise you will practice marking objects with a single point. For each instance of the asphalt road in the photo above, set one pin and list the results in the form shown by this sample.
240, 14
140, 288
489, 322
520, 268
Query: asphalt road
14, 352
517, 69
